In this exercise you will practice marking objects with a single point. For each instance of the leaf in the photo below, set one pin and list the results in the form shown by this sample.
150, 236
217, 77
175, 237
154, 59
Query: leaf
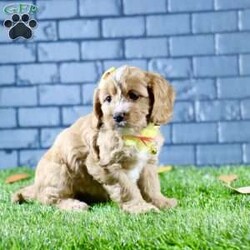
242, 190
163, 169
16, 177
228, 178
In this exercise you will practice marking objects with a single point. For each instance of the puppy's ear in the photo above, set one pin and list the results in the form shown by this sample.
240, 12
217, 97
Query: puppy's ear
163, 96
97, 108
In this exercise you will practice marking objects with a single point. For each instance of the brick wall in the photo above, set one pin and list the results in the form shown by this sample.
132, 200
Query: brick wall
201, 46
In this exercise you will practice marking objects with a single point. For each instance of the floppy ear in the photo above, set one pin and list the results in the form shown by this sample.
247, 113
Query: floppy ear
163, 96
97, 108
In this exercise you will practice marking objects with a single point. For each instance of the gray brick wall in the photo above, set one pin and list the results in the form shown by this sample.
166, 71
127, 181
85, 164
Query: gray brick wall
201, 46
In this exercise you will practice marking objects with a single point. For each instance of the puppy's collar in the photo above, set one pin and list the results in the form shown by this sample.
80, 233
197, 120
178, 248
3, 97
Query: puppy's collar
146, 141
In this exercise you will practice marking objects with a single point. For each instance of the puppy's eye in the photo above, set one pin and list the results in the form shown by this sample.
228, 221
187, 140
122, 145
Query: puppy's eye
108, 99
133, 96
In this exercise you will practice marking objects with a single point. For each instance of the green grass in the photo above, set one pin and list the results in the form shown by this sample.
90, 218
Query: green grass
209, 216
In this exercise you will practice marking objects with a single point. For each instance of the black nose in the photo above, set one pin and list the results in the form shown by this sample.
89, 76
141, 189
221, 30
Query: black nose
118, 117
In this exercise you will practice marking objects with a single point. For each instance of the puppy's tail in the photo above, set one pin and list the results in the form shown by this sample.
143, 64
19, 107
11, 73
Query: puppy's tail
25, 194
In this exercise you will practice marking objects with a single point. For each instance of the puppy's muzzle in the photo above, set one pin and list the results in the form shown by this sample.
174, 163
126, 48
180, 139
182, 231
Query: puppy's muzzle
119, 117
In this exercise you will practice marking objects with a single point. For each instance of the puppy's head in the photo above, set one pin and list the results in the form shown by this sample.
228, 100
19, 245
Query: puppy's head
129, 97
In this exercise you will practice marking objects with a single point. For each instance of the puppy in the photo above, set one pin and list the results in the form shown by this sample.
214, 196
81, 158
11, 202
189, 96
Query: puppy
110, 154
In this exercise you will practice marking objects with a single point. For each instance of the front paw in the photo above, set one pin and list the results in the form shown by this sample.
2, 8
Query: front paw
72, 205
139, 207
163, 202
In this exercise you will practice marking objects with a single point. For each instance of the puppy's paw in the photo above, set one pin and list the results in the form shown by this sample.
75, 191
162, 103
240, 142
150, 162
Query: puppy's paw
139, 207
72, 205
164, 203
17, 198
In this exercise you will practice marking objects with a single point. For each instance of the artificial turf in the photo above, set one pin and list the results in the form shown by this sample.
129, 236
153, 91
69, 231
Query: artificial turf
209, 216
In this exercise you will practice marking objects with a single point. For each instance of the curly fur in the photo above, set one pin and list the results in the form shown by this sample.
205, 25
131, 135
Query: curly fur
89, 161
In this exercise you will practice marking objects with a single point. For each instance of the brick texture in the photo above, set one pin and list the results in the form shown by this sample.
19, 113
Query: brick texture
233, 43
88, 93
234, 131
48, 52
194, 133
234, 87
31, 74
46, 31
190, 5
245, 105
219, 154
245, 64
51, 9
217, 110
101, 50
231, 4
191, 45
8, 118
100, 7
184, 112
212, 22
70, 115
166, 131
195, 89
48, 136
30, 157
215, 66
168, 24
141, 63
200, 46
8, 159
18, 138
132, 26
59, 94
19, 53
244, 20
7, 75
173, 68
178, 155
78, 72
246, 153
38, 117
144, 6
79, 29
15, 97
149, 47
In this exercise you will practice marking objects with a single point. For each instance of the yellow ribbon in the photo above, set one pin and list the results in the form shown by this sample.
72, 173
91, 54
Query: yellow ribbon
108, 72
145, 141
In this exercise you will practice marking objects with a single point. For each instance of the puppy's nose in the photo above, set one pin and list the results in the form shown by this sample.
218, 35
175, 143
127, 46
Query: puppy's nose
118, 117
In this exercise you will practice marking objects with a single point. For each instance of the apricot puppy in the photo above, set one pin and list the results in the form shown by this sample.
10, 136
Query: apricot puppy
110, 154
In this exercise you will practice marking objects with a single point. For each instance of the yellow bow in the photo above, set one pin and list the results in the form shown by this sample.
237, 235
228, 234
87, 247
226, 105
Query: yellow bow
145, 141
108, 72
